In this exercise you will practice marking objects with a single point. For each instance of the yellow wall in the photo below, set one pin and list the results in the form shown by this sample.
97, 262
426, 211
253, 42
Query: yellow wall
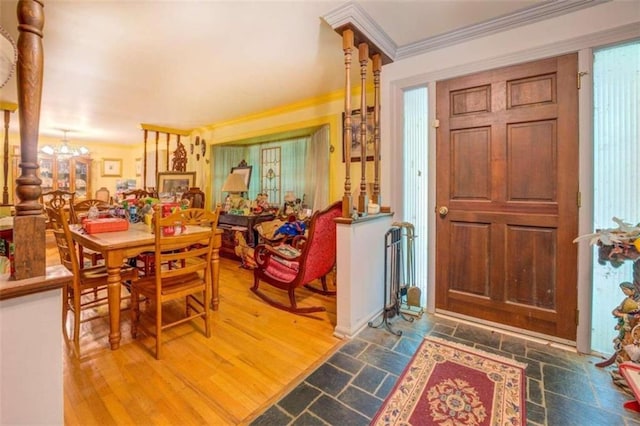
311, 113
98, 153
307, 114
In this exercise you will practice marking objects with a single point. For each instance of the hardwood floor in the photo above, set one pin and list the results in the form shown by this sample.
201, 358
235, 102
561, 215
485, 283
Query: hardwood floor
255, 355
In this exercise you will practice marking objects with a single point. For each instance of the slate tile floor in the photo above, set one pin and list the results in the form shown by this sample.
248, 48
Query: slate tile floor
563, 388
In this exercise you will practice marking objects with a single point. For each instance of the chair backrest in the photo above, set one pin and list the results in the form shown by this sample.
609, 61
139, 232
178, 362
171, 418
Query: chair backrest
103, 194
178, 243
84, 206
195, 197
138, 194
66, 246
318, 254
58, 198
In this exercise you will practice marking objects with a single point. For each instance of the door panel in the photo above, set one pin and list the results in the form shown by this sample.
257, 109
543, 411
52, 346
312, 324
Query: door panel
507, 155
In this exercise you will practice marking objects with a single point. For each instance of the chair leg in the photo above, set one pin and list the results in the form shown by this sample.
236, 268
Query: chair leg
158, 329
324, 290
76, 323
65, 312
135, 311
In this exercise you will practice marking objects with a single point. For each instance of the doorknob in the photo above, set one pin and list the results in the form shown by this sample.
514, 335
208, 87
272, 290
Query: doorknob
442, 211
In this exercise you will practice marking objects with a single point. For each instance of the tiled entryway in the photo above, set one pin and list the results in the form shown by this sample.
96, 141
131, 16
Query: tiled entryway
563, 388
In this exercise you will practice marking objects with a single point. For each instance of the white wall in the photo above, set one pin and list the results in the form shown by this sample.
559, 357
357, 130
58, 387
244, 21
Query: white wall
31, 347
598, 25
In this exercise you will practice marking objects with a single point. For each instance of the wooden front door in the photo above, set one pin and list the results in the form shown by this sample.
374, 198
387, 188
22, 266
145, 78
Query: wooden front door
507, 187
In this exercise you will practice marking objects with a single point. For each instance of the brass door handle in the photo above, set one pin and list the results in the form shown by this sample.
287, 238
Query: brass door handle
442, 211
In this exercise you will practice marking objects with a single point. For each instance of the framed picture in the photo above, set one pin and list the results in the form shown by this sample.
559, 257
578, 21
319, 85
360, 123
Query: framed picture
138, 166
356, 120
175, 182
245, 171
112, 167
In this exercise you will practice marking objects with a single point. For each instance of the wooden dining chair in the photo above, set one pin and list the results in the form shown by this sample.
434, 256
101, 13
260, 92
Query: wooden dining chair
89, 285
103, 194
188, 251
57, 199
78, 210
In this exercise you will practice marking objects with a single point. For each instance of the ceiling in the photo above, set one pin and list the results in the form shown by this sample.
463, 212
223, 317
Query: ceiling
112, 65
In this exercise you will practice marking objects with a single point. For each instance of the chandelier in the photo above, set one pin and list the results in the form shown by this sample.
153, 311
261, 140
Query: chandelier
64, 151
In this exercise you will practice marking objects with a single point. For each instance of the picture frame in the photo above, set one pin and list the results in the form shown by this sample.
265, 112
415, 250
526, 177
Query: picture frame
356, 120
245, 171
175, 182
138, 166
112, 167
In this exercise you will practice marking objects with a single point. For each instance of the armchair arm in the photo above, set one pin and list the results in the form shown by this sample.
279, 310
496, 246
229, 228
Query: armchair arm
263, 253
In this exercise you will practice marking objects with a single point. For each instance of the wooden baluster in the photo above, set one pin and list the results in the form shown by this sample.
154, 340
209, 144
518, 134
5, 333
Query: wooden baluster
347, 45
363, 49
167, 156
377, 67
157, 159
144, 169
8, 109
29, 224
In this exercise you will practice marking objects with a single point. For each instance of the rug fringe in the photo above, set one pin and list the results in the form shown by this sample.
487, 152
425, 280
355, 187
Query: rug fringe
493, 356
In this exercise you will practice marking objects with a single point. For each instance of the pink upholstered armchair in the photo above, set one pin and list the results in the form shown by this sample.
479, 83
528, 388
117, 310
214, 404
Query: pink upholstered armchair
308, 258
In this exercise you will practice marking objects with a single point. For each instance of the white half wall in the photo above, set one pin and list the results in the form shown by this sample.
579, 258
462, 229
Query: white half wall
360, 273
31, 348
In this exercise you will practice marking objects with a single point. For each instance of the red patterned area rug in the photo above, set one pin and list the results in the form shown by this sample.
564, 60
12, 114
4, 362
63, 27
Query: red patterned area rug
451, 384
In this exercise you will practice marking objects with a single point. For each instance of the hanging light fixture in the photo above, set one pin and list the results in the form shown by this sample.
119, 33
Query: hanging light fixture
64, 150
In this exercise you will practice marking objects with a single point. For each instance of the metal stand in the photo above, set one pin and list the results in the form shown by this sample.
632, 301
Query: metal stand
392, 265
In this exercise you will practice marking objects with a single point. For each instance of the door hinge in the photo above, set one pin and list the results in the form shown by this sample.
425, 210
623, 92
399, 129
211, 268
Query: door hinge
579, 199
436, 123
580, 74
577, 317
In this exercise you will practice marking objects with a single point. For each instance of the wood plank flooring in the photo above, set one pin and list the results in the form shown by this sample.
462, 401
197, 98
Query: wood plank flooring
255, 355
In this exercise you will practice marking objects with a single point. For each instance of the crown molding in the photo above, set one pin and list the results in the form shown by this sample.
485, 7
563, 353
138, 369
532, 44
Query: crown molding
351, 14
526, 16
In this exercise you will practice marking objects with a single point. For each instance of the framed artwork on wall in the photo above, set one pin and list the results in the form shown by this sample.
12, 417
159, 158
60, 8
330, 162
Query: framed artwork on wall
112, 167
175, 182
138, 166
356, 120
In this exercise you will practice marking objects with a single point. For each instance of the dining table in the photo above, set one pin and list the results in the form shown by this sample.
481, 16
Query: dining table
117, 246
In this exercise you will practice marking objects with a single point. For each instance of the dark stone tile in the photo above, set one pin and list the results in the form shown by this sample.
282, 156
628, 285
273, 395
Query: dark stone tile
387, 386
513, 345
554, 359
336, 413
407, 346
346, 362
534, 391
307, 419
354, 347
567, 383
369, 378
374, 335
536, 413
444, 329
385, 359
534, 368
478, 335
494, 351
611, 397
570, 412
273, 416
360, 401
452, 339
296, 401
329, 379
